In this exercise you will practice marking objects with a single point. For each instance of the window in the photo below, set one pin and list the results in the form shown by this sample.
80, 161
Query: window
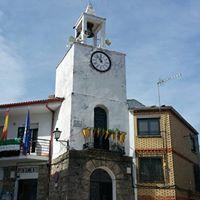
150, 169
100, 118
197, 177
100, 121
195, 143
34, 135
148, 126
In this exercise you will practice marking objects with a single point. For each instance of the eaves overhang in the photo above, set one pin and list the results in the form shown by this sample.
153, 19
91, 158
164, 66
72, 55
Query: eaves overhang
34, 106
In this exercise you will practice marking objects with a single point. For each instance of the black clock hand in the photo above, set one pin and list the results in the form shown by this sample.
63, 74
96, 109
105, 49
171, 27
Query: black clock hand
100, 58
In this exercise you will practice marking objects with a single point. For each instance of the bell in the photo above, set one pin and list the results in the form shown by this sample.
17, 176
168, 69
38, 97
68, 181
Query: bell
77, 34
89, 32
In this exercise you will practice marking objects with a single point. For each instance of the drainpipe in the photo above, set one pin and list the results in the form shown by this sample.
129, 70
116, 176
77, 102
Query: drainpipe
50, 145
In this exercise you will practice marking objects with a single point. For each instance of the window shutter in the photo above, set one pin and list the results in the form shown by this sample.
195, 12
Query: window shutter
196, 143
148, 126
197, 177
100, 118
100, 122
150, 169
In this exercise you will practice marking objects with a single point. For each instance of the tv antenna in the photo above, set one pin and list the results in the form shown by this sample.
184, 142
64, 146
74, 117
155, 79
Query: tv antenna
163, 81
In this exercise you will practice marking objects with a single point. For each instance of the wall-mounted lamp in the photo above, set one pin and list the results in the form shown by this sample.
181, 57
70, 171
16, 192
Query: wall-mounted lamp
57, 134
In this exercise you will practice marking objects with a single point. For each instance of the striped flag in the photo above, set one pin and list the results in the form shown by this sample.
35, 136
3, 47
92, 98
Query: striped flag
27, 135
5, 127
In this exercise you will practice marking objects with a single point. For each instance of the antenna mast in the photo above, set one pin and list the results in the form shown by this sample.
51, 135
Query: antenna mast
163, 81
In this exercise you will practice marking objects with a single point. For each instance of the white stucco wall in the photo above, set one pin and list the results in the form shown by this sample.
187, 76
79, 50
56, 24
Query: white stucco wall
83, 111
64, 75
42, 119
131, 134
64, 88
63, 123
132, 150
88, 81
83, 89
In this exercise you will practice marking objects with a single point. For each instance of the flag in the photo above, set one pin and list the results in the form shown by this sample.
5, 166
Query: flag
27, 135
5, 127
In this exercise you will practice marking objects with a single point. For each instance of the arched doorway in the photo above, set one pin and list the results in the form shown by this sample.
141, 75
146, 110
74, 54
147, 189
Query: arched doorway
101, 185
100, 122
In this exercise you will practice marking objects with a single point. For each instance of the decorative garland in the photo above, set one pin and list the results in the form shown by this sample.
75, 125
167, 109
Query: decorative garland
108, 133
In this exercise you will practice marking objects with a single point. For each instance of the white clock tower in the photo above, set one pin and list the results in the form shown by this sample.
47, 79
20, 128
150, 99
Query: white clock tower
93, 118
92, 80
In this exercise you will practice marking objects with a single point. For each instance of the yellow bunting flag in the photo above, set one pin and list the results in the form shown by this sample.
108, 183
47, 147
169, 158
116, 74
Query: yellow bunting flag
107, 134
98, 132
113, 135
86, 132
5, 127
122, 137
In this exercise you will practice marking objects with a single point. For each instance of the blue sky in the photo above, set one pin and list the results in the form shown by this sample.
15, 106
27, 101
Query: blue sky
160, 38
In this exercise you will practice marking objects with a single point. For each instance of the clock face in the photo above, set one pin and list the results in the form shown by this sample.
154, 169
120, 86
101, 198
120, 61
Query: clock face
100, 61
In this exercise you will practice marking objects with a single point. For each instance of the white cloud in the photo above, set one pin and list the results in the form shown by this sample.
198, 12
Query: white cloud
12, 80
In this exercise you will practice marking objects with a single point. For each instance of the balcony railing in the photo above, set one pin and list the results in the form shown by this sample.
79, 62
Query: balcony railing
110, 140
14, 147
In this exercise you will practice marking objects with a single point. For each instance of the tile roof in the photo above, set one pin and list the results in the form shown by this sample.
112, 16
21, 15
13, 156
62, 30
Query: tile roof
133, 103
33, 102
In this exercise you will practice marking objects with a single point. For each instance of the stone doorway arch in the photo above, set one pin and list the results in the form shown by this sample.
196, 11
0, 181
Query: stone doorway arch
101, 185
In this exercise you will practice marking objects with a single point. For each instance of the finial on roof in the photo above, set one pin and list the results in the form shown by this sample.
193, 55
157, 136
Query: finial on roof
90, 10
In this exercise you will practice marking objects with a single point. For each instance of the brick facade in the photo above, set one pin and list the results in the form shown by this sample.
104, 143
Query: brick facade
174, 146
